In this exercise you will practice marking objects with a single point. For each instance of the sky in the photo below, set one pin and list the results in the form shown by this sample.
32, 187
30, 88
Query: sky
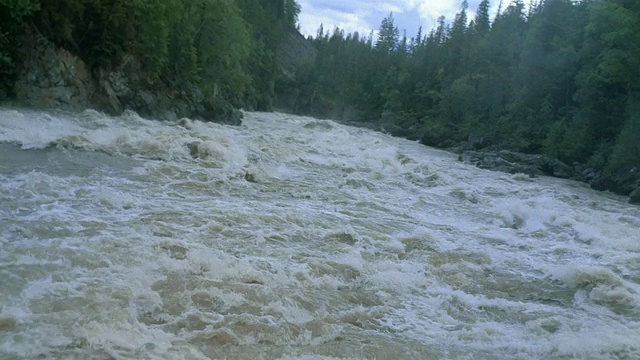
366, 15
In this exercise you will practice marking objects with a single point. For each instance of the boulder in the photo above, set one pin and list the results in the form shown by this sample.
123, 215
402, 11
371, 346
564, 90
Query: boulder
559, 169
476, 141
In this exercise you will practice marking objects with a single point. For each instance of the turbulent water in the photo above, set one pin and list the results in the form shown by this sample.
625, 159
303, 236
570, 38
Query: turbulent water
297, 238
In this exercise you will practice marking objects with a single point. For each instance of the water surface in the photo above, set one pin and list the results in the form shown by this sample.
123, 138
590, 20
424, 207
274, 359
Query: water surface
297, 238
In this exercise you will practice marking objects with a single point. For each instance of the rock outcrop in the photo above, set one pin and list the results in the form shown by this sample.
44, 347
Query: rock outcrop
295, 51
53, 78
513, 162
634, 197
624, 181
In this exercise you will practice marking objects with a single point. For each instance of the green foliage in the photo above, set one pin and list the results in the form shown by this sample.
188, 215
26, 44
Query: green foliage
626, 150
562, 142
222, 43
227, 48
561, 78
266, 22
58, 19
388, 36
14, 11
291, 11
482, 21
13, 20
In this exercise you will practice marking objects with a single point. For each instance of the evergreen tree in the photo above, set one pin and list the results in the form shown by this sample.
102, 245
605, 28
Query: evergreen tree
291, 12
482, 21
388, 36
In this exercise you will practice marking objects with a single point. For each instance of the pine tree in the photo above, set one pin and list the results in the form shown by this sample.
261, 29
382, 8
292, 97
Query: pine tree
388, 36
482, 21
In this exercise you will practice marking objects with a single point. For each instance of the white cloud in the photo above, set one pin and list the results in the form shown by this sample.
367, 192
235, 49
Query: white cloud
314, 16
316, 13
390, 7
364, 16
434, 8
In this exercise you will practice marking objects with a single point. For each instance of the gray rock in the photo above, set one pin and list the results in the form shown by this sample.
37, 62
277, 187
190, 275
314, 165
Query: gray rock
561, 170
194, 149
54, 78
513, 162
623, 180
51, 77
476, 141
634, 197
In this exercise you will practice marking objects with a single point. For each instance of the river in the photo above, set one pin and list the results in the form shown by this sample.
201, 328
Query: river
296, 238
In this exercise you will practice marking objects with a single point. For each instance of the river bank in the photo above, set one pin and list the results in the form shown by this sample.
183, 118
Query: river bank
624, 181
54, 78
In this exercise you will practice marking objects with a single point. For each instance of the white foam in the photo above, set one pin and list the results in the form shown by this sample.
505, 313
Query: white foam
289, 233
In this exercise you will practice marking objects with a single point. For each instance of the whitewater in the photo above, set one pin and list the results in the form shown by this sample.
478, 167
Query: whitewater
297, 238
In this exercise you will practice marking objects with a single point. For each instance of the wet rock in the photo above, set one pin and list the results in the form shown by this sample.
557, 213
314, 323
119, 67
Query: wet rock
194, 149
624, 180
634, 197
560, 169
509, 162
514, 162
584, 173
218, 110
7, 324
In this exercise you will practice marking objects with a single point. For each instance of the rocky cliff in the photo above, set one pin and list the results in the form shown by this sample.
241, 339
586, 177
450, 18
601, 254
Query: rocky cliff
295, 51
53, 78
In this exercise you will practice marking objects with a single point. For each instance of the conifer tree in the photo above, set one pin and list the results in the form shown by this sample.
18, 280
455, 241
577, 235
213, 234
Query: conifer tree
482, 21
388, 36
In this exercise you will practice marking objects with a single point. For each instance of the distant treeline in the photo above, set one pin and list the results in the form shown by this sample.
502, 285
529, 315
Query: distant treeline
561, 77
218, 46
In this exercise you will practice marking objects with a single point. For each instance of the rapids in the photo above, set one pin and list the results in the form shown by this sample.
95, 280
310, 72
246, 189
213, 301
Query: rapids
296, 238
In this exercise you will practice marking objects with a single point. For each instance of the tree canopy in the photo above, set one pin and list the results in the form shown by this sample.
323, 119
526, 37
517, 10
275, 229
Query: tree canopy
227, 47
561, 77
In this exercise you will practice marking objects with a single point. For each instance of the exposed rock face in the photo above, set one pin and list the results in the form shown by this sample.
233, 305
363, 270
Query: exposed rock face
53, 78
295, 50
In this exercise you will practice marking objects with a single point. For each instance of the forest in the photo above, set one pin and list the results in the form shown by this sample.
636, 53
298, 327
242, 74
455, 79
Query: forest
220, 46
554, 77
557, 77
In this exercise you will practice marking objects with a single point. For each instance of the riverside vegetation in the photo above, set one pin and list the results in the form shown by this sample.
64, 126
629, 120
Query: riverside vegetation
169, 58
559, 78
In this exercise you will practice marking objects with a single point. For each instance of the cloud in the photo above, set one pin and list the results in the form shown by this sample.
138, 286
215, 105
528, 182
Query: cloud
364, 16
331, 14
390, 8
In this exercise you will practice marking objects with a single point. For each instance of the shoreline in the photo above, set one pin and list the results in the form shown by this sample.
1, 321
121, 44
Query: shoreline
624, 181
